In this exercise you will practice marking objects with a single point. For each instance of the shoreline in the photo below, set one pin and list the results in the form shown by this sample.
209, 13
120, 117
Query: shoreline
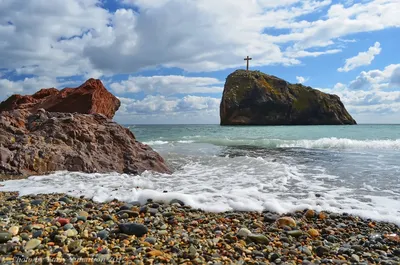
57, 228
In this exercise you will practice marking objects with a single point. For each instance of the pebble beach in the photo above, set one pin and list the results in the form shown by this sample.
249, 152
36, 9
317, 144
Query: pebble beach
59, 229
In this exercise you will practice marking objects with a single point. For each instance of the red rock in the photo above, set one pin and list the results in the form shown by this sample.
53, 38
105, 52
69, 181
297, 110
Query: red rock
50, 131
89, 98
45, 142
62, 221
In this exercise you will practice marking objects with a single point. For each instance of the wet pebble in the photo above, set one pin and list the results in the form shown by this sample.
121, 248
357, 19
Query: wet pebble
5, 236
138, 230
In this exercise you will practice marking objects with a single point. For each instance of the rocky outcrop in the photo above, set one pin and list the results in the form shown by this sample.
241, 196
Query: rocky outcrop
255, 98
70, 130
89, 98
44, 142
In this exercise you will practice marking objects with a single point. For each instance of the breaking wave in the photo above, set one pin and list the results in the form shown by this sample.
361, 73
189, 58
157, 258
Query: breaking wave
322, 143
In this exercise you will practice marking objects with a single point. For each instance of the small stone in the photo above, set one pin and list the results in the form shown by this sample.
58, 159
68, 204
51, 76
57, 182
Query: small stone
355, 258
104, 234
65, 199
258, 238
82, 218
68, 226
32, 244
321, 251
176, 201
153, 211
150, 240
24, 236
129, 213
5, 236
309, 214
313, 232
138, 230
75, 246
286, 221
295, 233
83, 213
107, 217
192, 251
37, 233
243, 232
155, 253
60, 238
126, 207
273, 256
36, 202
3, 249
332, 239
85, 233
305, 250
270, 217
71, 233
62, 221
163, 232
154, 205
322, 216
143, 209
14, 230
37, 226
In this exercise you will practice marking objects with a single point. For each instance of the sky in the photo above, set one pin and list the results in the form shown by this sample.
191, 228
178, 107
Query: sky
167, 60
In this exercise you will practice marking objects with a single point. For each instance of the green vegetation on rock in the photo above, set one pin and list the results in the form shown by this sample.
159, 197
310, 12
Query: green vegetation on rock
255, 98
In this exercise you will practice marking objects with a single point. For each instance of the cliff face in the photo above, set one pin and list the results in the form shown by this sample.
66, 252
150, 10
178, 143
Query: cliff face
41, 143
255, 98
89, 98
72, 130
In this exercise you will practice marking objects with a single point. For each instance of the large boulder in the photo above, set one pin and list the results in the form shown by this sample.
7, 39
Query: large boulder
255, 98
89, 98
44, 142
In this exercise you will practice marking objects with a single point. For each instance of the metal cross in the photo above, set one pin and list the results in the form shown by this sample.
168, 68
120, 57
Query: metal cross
247, 59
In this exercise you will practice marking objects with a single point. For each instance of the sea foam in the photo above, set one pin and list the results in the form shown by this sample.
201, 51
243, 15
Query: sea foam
321, 143
220, 184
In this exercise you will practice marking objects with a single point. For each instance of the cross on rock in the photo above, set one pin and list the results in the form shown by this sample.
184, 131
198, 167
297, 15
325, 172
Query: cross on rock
247, 59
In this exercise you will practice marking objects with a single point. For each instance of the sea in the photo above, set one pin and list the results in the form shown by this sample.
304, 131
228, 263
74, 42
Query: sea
343, 169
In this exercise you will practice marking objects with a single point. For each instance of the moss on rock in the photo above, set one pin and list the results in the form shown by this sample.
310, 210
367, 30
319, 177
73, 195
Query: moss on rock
255, 98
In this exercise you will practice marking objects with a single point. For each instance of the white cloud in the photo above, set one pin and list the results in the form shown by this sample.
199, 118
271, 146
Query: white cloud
375, 79
66, 38
170, 84
339, 86
371, 94
58, 38
362, 58
301, 79
347, 40
395, 78
302, 53
161, 109
25, 87
44, 38
145, 4
161, 104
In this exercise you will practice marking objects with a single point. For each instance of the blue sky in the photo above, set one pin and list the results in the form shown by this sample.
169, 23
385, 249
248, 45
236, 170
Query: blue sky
167, 60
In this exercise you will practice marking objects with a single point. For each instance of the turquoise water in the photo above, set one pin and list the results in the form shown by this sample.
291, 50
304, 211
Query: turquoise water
356, 167
352, 169
179, 132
